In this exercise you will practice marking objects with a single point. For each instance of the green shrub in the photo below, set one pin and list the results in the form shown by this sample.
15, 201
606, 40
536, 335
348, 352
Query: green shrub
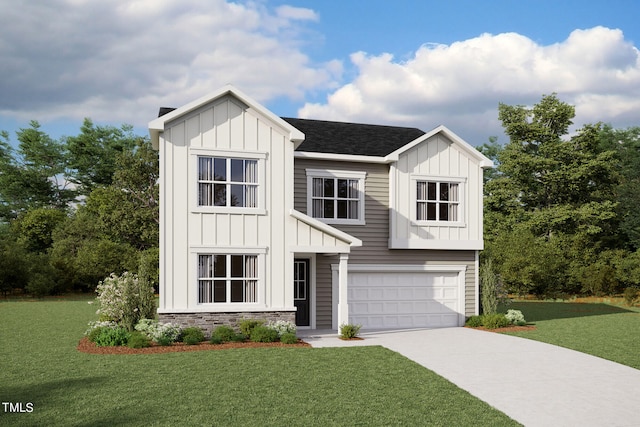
247, 325
192, 335
215, 340
125, 300
263, 334
110, 337
494, 321
474, 321
165, 340
239, 338
224, 333
348, 331
515, 317
631, 295
289, 338
138, 340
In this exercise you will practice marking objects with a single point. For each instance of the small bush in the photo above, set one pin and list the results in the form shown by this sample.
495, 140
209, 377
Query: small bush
474, 321
110, 337
164, 341
192, 335
494, 321
166, 333
247, 325
631, 295
288, 338
215, 340
224, 333
138, 340
515, 317
238, 338
282, 327
348, 331
263, 334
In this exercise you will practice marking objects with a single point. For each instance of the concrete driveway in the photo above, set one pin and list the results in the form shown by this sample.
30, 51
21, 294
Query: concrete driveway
534, 383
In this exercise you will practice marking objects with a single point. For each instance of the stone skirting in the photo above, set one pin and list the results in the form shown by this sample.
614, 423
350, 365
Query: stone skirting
209, 321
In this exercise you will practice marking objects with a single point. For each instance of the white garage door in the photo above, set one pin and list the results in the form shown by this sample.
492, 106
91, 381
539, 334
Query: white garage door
401, 299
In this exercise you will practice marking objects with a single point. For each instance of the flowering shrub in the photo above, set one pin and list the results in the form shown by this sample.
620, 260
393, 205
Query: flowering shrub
282, 327
124, 300
162, 333
515, 317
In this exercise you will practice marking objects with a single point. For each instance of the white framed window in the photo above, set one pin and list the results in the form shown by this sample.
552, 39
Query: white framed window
336, 197
228, 181
225, 181
227, 278
438, 199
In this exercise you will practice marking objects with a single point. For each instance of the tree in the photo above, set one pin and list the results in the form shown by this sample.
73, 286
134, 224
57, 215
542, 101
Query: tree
93, 154
553, 196
34, 175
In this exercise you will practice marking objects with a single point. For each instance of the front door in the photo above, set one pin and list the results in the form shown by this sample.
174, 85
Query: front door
301, 298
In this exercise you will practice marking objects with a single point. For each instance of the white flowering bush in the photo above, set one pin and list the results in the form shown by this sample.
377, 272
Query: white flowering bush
159, 332
515, 317
282, 327
125, 300
100, 324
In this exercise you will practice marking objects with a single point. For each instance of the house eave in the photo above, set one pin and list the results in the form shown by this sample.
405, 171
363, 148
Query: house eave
339, 157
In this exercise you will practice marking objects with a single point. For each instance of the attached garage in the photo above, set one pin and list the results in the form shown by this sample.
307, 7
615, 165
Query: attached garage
421, 296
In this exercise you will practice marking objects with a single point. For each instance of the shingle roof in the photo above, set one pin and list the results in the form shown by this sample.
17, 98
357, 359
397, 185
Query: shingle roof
352, 138
323, 136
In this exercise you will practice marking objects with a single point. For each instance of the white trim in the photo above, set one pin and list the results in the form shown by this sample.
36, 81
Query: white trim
195, 153
340, 157
413, 209
157, 126
483, 161
231, 250
436, 244
338, 174
476, 268
321, 226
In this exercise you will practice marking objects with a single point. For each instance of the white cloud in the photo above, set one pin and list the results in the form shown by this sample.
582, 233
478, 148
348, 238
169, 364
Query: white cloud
460, 85
120, 60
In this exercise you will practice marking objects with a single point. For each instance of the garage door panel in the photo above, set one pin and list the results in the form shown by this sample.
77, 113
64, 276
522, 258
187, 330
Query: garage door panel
404, 299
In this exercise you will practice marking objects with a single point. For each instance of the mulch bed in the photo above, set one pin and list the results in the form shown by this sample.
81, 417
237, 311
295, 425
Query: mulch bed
87, 346
507, 329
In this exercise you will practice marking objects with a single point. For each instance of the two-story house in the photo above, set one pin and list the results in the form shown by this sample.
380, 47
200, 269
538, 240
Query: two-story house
322, 223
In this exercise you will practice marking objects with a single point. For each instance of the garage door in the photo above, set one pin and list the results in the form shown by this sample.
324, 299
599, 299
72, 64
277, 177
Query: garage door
403, 299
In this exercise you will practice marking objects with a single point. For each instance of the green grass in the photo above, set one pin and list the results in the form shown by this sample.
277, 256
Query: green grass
602, 330
298, 386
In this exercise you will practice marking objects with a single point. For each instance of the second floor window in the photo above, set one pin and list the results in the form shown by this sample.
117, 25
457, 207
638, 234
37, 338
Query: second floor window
437, 201
224, 181
336, 197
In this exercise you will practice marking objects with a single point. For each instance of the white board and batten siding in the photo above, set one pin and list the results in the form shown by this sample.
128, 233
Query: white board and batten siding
225, 127
438, 159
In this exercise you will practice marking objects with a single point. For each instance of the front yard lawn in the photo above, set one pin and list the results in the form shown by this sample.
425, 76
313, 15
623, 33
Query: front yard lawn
39, 364
602, 330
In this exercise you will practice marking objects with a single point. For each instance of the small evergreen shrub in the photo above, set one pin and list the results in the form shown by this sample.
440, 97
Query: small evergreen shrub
238, 338
262, 333
247, 325
215, 340
288, 338
631, 295
349, 331
224, 333
474, 321
282, 327
192, 335
111, 337
515, 317
494, 321
138, 340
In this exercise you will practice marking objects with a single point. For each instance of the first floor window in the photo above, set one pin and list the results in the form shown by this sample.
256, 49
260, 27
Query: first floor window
224, 181
437, 201
227, 278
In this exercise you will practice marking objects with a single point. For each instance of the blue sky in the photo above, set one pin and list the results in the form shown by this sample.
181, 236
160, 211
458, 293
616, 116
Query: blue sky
410, 63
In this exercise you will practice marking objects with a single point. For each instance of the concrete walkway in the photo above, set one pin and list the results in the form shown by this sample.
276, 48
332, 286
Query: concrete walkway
534, 383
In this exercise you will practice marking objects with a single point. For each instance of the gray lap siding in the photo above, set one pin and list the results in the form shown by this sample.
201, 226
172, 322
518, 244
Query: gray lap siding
374, 235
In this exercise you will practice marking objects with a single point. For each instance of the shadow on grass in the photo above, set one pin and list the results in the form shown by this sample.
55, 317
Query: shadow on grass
539, 310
